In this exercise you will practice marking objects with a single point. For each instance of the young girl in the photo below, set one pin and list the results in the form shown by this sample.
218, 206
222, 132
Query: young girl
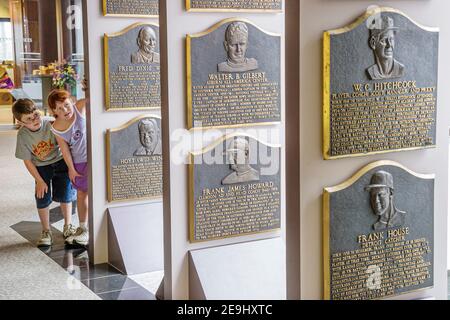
70, 131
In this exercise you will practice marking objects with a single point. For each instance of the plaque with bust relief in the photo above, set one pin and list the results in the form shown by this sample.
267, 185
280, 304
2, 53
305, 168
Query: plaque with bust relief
131, 8
132, 68
379, 233
380, 85
233, 76
235, 189
134, 160
235, 5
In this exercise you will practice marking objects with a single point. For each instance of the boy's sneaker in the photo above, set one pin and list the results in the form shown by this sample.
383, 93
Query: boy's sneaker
81, 237
46, 239
69, 230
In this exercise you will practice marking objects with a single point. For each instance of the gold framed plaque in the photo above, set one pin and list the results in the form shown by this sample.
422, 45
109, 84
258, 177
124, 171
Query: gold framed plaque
134, 160
233, 190
378, 233
233, 76
132, 68
379, 85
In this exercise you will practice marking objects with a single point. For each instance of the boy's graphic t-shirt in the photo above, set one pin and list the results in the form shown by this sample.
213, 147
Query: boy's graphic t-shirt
39, 146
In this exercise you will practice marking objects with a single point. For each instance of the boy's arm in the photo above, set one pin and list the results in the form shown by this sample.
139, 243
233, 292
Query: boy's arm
41, 186
67, 158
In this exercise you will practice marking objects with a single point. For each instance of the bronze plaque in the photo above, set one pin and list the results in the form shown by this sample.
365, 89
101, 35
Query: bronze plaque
235, 189
233, 76
380, 85
235, 5
134, 160
132, 68
131, 8
379, 233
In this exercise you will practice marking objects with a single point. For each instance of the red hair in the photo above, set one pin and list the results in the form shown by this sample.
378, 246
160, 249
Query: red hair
55, 96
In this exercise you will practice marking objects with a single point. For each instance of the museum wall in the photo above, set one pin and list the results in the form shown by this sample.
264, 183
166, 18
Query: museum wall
316, 16
180, 23
100, 121
316, 173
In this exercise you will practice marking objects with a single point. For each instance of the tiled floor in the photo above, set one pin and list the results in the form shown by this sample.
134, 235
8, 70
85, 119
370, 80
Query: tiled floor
103, 280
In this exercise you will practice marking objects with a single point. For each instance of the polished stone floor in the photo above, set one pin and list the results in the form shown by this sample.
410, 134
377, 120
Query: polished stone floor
105, 281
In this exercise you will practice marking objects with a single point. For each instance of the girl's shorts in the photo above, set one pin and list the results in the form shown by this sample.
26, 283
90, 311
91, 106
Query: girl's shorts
81, 183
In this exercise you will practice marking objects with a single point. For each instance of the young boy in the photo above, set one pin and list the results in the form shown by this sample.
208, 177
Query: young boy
37, 147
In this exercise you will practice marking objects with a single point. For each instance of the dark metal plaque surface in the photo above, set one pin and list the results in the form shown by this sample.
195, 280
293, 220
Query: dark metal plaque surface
134, 160
233, 76
235, 189
132, 68
380, 85
131, 8
378, 233
235, 5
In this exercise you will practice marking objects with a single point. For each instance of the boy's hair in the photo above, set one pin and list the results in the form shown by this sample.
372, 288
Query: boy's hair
57, 95
23, 107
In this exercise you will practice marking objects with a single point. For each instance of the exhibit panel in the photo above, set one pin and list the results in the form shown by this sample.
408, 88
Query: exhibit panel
126, 166
132, 68
430, 155
378, 233
233, 75
384, 74
224, 76
131, 8
380, 85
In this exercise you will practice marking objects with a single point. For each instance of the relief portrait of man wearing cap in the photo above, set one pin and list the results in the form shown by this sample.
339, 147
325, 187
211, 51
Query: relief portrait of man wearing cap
239, 157
381, 190
382, 42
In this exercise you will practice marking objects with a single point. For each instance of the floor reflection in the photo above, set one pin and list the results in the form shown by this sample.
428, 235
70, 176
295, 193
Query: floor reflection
102, 279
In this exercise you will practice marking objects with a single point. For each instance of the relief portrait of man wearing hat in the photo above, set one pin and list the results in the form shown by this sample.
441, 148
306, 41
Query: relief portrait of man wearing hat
382, 42
381, 190
239, 157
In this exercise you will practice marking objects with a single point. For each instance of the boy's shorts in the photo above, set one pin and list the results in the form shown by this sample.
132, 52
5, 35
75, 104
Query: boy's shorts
81, 183
60, 188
